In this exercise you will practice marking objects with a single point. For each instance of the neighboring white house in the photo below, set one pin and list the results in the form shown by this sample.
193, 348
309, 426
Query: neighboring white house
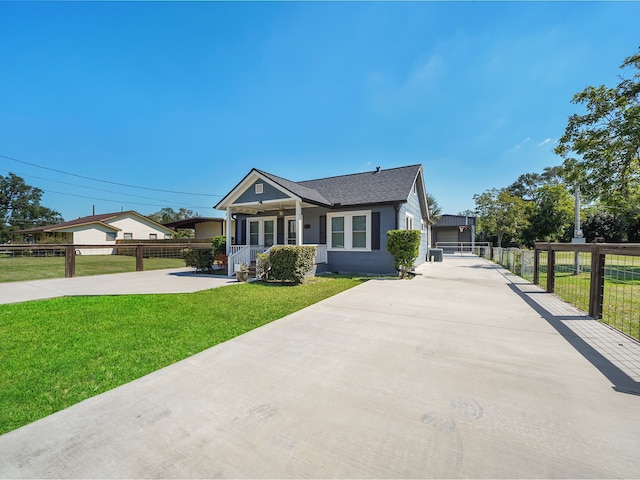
102, 229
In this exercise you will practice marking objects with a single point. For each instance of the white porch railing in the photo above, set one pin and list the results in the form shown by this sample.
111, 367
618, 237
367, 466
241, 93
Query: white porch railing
246, 254
321, 253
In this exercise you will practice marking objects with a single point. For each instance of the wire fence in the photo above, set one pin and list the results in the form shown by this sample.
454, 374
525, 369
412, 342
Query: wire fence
601, 279
34, 262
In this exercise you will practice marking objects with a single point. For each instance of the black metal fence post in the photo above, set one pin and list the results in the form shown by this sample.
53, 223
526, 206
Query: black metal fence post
596, 287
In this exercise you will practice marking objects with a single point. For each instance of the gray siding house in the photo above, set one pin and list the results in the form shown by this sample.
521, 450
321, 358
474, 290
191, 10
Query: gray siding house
346, 217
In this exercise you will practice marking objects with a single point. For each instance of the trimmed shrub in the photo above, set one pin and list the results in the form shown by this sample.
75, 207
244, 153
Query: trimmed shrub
263, 266
219, 244
404, 245
200, 258
291, 263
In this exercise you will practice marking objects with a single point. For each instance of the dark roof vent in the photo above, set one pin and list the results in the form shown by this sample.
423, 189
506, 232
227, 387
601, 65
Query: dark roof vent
377, 169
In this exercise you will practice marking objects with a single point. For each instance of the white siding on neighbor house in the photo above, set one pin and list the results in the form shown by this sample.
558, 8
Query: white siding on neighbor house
92, 235
138, 227
208, 230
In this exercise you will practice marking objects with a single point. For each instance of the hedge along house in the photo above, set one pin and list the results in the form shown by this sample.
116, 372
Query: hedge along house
346, 217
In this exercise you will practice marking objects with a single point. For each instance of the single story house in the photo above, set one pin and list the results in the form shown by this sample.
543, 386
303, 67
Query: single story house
452, 232
346, 217
204, 227
101, 229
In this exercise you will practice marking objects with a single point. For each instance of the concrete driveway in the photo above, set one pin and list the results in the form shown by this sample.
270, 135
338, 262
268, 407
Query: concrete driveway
465, 371
173, 280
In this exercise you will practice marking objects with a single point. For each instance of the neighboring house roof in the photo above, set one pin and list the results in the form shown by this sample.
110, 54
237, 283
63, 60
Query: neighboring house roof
455, 220
374, 187
100, 219
192, 222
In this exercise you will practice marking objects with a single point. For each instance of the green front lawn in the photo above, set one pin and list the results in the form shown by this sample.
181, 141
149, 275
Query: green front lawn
58, 352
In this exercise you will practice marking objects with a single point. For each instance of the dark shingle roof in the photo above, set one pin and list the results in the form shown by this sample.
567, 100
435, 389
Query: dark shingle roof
383, 186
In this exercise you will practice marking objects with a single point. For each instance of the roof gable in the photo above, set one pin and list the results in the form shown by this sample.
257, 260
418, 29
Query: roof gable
377, 187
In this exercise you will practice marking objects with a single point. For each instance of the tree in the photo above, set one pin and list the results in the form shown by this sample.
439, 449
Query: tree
168, 214
20, 207
434, 208
548, 214
601, 148
601, 223
501, 215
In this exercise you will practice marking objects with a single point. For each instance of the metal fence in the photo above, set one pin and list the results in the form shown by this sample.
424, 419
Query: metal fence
602, 279
482, 249
32, 262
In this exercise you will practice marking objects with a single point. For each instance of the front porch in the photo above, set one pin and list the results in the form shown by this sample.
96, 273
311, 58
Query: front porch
247, 255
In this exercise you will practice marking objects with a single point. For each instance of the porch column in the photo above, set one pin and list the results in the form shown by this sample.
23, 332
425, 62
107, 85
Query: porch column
299, 223
228, 224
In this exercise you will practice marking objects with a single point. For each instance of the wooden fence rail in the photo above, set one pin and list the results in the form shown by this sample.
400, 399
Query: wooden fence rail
70, 251
598, 252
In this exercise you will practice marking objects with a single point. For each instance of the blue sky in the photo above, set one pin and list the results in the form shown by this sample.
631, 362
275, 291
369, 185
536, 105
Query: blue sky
188, 97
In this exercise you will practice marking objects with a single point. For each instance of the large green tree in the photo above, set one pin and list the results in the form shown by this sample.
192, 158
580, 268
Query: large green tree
501, 215
601, 147
20, 207
549, 214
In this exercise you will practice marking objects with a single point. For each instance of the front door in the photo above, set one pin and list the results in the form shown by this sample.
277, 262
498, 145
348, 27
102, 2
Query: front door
291, 231
262, 231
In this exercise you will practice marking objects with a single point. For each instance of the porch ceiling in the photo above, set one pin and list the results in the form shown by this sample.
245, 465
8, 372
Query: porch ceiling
275, 207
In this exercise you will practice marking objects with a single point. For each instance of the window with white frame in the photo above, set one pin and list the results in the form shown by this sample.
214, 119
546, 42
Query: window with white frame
111, 236
153, 236
349, 230
168, 236
259, 188
128, 236
408, 221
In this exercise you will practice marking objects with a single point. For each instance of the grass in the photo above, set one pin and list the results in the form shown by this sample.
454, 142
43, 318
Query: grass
19, 268
621, 306
58, 352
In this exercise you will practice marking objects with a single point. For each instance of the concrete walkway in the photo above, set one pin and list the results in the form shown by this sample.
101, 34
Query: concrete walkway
174, 280
465, 371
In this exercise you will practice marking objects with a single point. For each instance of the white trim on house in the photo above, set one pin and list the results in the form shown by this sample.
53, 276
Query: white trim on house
287, 219
261, 233
348, 232
245, 183
408, 221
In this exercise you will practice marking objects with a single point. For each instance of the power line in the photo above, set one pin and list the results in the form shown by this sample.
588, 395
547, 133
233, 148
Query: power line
117, 201
107, 181
84, 186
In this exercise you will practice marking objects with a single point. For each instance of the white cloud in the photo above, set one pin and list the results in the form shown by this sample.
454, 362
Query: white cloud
523, 142
544, 142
